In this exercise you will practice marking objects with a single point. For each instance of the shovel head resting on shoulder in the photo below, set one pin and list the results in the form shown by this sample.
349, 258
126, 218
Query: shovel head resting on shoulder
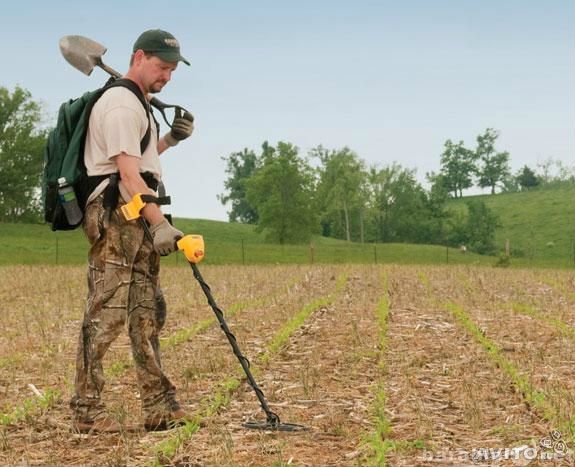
82, 53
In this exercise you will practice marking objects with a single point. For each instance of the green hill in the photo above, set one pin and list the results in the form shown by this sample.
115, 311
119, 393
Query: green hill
226, 243
539, 224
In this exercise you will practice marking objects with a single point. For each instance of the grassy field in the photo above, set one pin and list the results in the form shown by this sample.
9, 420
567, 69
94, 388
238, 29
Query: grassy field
35, 244
225, 244
384, 365
539, 224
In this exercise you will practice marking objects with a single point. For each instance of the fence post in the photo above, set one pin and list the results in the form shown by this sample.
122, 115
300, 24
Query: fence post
531, 245
311, 253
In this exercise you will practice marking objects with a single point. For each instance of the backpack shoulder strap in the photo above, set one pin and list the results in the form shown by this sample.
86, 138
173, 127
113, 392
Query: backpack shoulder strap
129, 84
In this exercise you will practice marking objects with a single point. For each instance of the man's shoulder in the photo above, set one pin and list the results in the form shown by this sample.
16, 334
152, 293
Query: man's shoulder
119, 97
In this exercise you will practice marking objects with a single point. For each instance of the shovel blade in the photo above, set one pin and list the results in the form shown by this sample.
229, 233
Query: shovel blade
82, 53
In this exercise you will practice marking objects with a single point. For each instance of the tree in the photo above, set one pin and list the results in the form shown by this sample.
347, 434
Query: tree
494, 166
509, 184
477, 230
382, 183
341, 188
437, 198
240, 167
458, 165
403, 210
527, 179
21, 156
439, 187
552, 172
282, 192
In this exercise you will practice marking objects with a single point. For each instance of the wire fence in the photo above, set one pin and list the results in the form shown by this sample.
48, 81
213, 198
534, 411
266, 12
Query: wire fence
58, 250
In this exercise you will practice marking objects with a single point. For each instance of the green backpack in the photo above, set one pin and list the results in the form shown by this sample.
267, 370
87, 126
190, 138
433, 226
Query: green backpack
64, 155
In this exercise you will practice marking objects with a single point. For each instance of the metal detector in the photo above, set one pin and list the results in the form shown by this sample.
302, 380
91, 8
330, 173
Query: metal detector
272, 420
193, 248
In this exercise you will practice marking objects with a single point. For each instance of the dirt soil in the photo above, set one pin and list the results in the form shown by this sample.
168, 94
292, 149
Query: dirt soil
445, 398
322, 379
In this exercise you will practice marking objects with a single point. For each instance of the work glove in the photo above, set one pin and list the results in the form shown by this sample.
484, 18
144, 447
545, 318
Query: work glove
165, 237
182, 128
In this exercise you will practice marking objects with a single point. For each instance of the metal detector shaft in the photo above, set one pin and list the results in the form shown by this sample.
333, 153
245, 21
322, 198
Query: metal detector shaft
272, 418
272, 421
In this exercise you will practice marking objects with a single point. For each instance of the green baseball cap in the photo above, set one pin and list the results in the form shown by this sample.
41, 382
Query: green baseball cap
161, 44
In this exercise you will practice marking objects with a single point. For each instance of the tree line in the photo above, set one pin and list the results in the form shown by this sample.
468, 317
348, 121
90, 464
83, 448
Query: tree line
292, 196
334, 193
22, 143
485, 167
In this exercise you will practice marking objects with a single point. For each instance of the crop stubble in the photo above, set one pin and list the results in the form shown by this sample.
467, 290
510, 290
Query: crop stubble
193, 366
441, 389
322, 378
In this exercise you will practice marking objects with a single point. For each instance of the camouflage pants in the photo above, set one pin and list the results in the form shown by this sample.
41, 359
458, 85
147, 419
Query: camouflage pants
123, 286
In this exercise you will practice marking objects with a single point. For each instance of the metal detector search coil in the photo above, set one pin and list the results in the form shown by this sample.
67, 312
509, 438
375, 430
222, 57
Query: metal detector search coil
279, 426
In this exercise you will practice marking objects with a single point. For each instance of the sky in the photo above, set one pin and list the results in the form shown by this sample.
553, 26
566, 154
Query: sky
391, 80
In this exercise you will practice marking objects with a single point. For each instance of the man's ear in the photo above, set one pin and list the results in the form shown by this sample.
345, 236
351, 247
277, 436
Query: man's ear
139, 55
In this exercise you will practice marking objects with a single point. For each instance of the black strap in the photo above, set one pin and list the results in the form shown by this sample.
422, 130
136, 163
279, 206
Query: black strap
112, 191
95, 180
160, 200
129, 84
155, 121
151, 181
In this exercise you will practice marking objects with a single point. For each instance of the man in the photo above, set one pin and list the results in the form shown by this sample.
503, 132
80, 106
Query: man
124, 264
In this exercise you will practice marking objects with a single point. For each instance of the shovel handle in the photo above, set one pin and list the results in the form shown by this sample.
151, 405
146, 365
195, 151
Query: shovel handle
161, 106
158, 104
187, 115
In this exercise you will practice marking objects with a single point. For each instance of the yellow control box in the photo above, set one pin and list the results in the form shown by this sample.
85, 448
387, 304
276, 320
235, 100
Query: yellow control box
193, 247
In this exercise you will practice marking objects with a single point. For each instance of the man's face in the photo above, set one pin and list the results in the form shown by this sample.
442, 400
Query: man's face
156, 73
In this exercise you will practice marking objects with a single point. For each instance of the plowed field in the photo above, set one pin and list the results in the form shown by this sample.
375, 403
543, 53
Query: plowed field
384, 365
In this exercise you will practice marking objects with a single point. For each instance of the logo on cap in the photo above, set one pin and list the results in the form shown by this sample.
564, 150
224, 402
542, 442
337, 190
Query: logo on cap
172, 42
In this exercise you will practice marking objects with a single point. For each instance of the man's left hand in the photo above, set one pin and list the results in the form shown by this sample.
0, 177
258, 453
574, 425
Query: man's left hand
182, 128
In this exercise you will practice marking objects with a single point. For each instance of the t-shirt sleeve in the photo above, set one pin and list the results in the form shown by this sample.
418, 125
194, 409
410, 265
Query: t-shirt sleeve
121, 130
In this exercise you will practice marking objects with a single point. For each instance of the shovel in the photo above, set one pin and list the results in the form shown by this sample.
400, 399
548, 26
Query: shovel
84, 54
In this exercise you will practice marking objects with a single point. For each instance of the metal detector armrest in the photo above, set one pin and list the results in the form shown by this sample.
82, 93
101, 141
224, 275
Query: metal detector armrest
132, 209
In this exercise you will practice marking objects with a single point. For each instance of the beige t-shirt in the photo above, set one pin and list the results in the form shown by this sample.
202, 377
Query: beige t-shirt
118, 123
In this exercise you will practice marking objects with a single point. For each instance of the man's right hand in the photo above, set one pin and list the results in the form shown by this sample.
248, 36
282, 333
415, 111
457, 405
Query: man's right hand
165, 237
